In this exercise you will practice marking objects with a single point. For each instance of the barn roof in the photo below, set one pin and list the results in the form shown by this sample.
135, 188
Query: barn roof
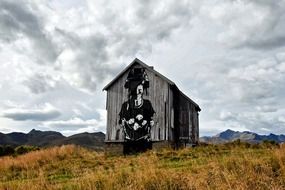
149, 68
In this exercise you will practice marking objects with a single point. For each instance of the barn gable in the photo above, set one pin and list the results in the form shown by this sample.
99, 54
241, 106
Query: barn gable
136, 61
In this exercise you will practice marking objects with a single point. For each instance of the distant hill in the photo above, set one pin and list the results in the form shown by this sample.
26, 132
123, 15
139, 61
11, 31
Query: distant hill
88, 140
52, 138
246, 136
96, 140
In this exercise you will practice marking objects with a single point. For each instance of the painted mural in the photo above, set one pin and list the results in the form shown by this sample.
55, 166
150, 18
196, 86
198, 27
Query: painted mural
136, 115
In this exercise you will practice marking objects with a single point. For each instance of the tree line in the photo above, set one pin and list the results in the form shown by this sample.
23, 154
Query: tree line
8, 150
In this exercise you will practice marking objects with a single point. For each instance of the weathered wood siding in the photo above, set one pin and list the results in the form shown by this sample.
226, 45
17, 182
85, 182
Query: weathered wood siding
159, 94
187, 121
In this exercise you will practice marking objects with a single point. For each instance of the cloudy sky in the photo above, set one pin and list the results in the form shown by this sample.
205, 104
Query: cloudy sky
57, 55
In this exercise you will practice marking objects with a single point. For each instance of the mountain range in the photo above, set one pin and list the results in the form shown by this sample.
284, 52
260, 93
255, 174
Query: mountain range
96, 140
246, 136
52, 138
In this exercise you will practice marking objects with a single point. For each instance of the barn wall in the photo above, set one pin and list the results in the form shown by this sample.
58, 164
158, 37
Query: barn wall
158, 93
187, 121
116, 95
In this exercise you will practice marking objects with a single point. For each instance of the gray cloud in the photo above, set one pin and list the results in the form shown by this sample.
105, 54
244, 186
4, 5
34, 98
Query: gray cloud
271, 36
40, 83
20, 114
260, 122
149, 22
98, 55
89, 61
72, 124
242, 94
18, 20
267, 108
85, 59
79, 125
251, 24
267, 43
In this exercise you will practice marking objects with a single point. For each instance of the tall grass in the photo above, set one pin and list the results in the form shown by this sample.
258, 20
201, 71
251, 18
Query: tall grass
210, 167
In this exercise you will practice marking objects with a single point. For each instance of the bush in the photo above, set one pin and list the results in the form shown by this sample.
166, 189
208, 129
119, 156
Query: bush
1, 151
8, 150
269, 144
25, 149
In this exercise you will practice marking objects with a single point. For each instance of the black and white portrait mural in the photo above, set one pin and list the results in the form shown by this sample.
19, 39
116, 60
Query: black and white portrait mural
136, 115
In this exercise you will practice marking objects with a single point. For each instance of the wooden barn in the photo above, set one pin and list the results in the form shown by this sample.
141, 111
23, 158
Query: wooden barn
147, 110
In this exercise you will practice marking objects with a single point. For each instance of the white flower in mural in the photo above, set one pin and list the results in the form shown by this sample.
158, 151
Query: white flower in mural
139, 117
136, 126
131, 121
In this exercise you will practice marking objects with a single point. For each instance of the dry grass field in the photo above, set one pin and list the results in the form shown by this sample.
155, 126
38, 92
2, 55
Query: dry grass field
206, 167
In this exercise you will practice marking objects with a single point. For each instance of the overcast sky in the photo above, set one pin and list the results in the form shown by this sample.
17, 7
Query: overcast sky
57, 55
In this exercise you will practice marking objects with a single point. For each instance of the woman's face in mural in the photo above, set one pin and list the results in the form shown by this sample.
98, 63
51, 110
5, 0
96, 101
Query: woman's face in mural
139, 90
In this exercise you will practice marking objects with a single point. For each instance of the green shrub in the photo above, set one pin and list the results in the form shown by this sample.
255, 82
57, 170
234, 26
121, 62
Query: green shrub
25, 149
1, 151
269, 144
8, 150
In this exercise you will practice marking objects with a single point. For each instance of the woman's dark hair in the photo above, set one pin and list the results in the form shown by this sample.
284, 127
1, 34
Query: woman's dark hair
135, 77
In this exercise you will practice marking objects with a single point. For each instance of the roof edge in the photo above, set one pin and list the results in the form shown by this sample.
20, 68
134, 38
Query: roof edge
136, 60
185, 96
197, 106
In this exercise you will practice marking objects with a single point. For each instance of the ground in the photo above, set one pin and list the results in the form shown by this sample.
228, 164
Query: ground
231, 166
